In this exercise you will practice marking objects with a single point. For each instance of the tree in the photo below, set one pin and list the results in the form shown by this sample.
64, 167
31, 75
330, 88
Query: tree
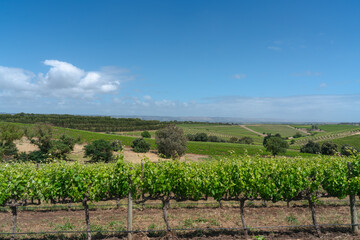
328, 148
347, 150
201, 137
171, 141
140, 145
310, 147
190, 137
276, 145
116, 145
8, 134
213, 138
246, 140
297, 135
41, 136
146, 134
268, 136
99, 150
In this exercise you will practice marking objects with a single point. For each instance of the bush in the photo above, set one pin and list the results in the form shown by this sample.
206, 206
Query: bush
246, 140
328, 148
233, 139
268, 136
99, 150
213, 139
140, 145
35, 156
276, 145
59, 148
190, 137
310, 147
9, 149
171, 141
8, 134
201, 137
347, 150
116, 145
297, 135
146, 134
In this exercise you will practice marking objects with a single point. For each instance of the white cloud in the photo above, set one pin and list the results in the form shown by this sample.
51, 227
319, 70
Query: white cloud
147, 98
63, 80
274, 48
323, 85
239, 76
307, 74
15, 79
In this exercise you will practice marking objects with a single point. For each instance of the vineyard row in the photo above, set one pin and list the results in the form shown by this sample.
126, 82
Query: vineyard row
234, 178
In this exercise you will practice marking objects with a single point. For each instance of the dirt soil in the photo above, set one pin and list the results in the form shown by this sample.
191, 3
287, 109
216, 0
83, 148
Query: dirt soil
24, 145
187, 218
134, 157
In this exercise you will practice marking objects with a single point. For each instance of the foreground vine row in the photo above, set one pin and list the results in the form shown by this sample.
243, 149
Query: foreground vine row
235, 178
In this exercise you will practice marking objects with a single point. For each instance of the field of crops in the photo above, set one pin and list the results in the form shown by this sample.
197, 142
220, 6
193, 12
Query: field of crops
283, 130
236, 178
338, 127
353, 140
219, 130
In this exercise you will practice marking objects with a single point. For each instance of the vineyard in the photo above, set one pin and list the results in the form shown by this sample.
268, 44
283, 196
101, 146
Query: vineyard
219, 130
239, 179
327, 137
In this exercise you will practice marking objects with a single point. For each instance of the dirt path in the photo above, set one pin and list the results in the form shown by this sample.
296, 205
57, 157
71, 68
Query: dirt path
260, 134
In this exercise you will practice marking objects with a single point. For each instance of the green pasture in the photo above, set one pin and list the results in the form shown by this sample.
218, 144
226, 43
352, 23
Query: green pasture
353, 140
136, 133
220, 130
338, 127
283, 130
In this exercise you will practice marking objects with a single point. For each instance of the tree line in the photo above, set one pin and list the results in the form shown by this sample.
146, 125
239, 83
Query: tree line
88, 123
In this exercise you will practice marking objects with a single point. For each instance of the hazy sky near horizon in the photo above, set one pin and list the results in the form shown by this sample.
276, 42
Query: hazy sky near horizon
283, 60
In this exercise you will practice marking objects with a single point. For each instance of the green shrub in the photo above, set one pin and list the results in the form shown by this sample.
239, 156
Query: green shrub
297, 135
347, 150
116, 145
213, 139
246, 140
146, 134
140, 145
171, 141
99, 150
276, 145
311, 147
201, 137
328, 148
190, 137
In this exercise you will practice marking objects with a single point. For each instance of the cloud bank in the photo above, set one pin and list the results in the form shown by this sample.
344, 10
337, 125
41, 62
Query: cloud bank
63, 80
65, 88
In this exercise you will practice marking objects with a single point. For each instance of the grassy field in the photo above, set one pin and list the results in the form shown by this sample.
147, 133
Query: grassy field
136, 133
338, 127
353, 140
220, 130
283, 130
204, 148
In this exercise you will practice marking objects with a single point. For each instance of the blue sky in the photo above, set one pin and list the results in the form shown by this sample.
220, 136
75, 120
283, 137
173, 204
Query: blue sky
276, 60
